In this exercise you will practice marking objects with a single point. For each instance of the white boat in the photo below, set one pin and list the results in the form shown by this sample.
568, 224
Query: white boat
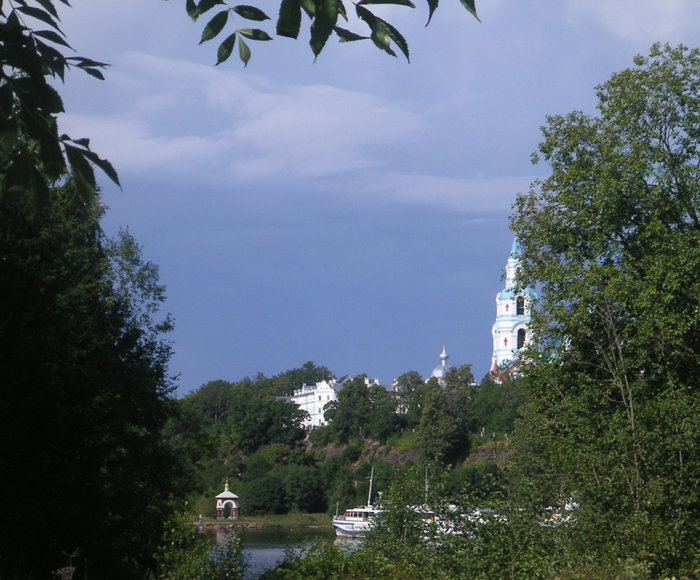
355, 522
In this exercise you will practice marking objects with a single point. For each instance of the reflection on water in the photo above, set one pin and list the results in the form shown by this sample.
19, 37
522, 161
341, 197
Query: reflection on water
266, 547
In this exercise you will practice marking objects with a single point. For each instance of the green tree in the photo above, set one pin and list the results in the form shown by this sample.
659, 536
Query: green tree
257, 418
348, 416
408, 391
265, 494
303, 490
461, 390
496, 406
307, 374
441, 434
211, 402
85, 391
383, 420
612, 237
186, 554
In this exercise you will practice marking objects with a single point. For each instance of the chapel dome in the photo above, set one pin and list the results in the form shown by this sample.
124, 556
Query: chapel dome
440, 371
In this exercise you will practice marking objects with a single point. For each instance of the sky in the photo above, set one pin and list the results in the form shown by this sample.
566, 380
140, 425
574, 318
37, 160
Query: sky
350, 210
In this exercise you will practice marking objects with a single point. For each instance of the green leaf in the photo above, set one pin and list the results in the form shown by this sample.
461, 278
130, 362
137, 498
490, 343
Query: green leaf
243, 51
48, 6
13, 21
18, 172
83, 174
83, 62
39, 14
43, 131
192, 9
225, 49
289, 20
41, 188
341, 10
85, 153
383, 32
470, 5
94, 73
432, 7
104, 165
53, 61
325, 18
38, 97
309, 7
206, 5
51, 101
6, 102
52, 36
214, 26
250, 13
255, 34
348, 36
395, 2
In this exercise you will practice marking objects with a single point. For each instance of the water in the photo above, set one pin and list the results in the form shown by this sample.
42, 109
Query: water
266, 547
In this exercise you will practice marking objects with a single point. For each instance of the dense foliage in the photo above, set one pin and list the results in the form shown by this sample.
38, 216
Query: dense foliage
612, 237
246, 432
187, 554
33, 155
608, 394
85, 387
601, 476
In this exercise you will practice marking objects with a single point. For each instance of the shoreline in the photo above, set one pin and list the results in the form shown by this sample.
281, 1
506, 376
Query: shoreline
309, 521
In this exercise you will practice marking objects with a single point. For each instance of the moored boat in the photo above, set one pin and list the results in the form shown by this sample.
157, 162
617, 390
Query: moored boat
355, 522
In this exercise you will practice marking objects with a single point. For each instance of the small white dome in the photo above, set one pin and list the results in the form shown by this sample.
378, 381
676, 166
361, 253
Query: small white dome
440, 371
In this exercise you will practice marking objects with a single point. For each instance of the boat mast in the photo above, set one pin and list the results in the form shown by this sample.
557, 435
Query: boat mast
426, 486
369, 495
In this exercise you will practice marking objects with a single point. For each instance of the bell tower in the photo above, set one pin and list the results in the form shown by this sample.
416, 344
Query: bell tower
510, 330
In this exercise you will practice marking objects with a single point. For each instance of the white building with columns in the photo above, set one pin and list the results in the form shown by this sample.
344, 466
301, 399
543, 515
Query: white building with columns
513, 314
313, 398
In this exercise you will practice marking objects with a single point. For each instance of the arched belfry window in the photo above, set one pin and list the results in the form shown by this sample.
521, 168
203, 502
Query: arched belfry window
521, 338
520, 306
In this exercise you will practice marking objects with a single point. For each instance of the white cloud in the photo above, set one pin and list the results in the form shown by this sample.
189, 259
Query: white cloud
172, 115
320, 130
456, 193
132, 145
642, 21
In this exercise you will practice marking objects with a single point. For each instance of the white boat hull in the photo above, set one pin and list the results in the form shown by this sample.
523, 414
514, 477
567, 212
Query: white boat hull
352, 530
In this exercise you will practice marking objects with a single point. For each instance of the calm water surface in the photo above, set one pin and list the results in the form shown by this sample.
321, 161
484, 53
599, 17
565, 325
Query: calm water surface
266, 547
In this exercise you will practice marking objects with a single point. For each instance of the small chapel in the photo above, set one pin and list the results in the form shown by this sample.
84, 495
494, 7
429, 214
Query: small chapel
513, 315
227, 504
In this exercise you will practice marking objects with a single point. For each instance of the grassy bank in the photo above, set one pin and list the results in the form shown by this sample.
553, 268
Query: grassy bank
285, 520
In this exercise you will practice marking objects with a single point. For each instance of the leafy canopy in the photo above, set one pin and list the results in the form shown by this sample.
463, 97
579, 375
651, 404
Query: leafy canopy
324, 15
86, 388
33, 156
612, 237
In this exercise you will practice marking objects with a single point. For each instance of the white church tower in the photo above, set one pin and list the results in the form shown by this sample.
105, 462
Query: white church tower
510, 331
